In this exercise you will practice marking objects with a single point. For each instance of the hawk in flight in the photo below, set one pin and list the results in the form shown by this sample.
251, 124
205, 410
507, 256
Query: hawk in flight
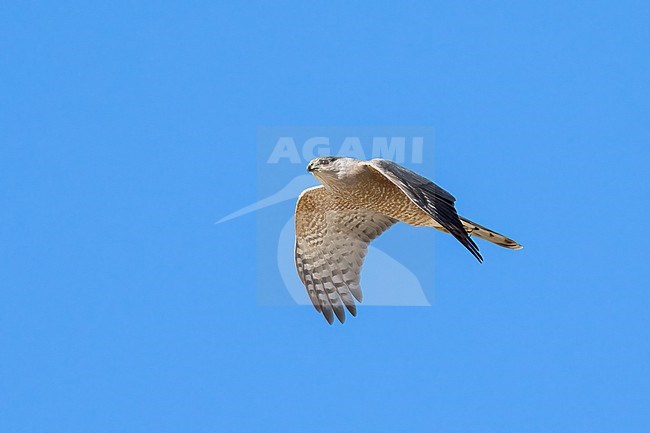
358, 201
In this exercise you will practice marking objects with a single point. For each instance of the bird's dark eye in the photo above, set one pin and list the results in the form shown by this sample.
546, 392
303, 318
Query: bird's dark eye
324, 161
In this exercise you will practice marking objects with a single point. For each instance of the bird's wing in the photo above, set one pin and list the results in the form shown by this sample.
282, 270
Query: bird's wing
331, 243
429, 197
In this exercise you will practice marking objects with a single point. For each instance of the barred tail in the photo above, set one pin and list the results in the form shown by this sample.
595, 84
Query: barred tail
491, 236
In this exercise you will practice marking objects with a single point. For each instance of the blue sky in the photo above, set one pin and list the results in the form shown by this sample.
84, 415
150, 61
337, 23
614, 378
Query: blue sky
127, 129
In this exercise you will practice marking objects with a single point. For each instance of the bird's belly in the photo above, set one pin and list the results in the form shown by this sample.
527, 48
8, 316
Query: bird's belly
391, 201
411, 214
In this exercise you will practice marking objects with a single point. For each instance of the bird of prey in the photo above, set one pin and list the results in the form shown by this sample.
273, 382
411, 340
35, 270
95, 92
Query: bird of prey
358, 201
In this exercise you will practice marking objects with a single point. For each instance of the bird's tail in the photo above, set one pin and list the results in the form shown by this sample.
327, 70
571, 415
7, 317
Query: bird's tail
489, 235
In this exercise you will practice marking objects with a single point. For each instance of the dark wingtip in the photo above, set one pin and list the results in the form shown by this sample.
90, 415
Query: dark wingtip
475, 251
327, 313
339, 311
469, 243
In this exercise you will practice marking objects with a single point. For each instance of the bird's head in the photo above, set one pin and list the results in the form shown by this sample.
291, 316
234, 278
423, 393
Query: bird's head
332, 169
323, 164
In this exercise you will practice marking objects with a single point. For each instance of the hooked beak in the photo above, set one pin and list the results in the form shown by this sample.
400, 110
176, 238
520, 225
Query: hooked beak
311, 167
